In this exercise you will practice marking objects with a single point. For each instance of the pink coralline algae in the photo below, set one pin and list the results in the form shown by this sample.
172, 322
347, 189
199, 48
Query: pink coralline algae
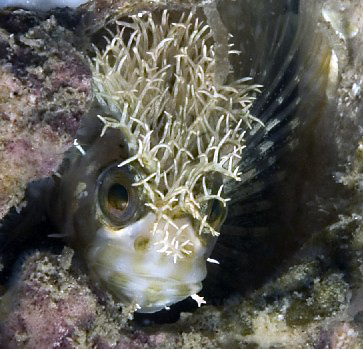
45, 88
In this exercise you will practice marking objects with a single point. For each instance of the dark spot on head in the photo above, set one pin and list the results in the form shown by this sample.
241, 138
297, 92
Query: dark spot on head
141, 243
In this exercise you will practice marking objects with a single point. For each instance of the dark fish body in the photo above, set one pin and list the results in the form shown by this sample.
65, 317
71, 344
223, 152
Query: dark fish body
144, 193
283, 50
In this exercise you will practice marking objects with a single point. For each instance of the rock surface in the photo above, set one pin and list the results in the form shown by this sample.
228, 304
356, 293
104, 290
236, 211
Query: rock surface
45, 87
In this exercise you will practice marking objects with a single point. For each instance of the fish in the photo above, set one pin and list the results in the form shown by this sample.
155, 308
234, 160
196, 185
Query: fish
186, 131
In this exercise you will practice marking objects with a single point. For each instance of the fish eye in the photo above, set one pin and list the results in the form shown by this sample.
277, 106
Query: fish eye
117, 200
217, 214
117, 197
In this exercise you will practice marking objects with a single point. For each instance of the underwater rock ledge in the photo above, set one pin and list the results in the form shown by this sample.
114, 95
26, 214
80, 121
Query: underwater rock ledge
315, 300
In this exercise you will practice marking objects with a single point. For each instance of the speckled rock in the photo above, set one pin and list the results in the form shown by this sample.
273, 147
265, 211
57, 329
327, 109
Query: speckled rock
45, 88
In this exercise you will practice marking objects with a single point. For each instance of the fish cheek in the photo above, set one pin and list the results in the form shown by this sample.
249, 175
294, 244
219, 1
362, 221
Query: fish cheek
76, 196
111, 147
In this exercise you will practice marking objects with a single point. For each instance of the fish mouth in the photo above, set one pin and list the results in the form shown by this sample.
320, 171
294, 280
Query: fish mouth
151, 291
151, 294
137, 268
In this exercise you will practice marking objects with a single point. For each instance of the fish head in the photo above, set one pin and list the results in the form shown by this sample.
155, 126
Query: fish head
139, 256
145, 199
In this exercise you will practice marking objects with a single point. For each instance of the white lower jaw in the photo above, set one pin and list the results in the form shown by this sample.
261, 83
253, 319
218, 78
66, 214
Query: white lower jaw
147, 277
